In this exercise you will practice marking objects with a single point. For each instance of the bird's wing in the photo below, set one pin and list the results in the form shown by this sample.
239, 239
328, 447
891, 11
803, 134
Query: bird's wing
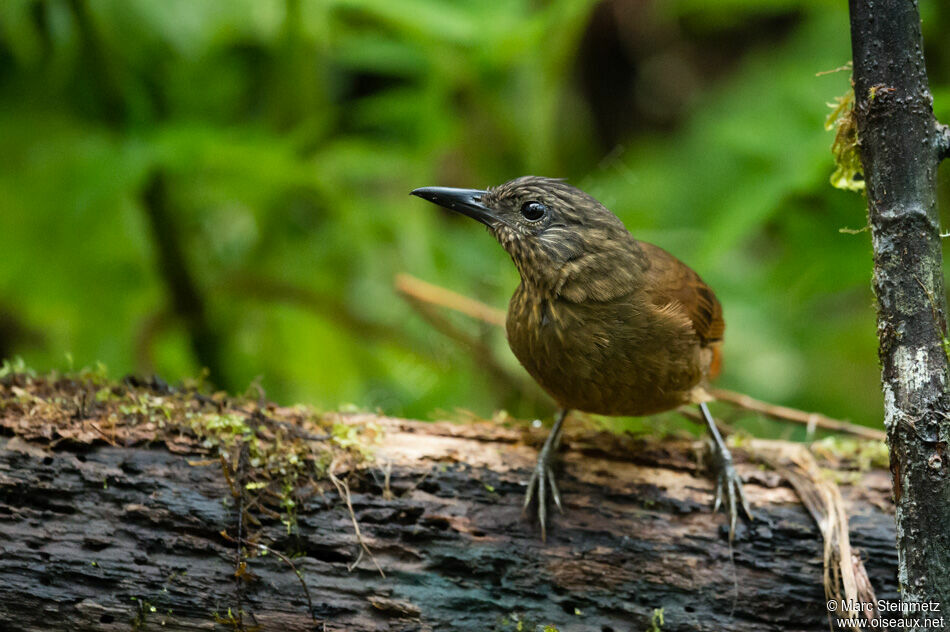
673, 282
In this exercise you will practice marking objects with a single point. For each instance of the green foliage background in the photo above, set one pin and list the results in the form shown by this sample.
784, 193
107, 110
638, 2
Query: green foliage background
289, 133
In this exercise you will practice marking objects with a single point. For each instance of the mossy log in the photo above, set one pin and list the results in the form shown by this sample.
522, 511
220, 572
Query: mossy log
116, 537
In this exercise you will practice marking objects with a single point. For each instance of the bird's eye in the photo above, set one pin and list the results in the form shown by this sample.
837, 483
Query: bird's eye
533, 211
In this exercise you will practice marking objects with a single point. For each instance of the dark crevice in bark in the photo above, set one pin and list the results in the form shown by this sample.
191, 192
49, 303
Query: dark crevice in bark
901, 145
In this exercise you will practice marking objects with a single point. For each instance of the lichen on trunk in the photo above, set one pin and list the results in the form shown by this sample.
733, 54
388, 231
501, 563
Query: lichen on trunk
901, 145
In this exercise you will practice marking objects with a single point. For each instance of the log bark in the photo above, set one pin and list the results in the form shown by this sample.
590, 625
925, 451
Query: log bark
101, 537
901, 145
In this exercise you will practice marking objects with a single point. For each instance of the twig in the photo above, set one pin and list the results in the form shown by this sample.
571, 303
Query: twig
297, 432
843, 569
419, 482
784, 413
240, 564
690, 413
847, 66
388, 471
854, 231
110, 441
423, 301
433, 294
322, 304
343, 489
287, 560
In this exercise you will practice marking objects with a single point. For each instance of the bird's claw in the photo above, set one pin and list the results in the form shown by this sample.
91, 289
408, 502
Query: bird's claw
542, 479
728, 488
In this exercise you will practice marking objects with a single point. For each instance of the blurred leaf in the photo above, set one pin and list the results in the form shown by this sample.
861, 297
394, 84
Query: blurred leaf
291, 132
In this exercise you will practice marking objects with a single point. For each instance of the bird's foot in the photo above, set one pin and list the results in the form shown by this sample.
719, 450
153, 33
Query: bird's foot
543, 482
729, 490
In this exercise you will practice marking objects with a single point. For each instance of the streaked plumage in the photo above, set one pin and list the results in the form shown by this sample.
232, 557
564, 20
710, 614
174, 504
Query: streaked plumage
604, 322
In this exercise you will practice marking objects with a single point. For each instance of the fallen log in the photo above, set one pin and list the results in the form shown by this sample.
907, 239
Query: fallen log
111, 529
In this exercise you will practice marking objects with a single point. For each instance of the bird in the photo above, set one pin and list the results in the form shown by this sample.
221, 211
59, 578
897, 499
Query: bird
603, 322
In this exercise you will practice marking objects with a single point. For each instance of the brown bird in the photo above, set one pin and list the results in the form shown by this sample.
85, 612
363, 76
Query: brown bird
605, 323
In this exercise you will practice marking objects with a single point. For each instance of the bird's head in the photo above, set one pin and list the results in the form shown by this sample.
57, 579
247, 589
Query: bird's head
546, 225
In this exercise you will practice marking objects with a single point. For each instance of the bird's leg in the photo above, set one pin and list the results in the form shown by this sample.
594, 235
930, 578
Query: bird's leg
543, 475
728, 483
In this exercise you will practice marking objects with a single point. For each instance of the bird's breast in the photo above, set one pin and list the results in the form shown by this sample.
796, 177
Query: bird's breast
617, 358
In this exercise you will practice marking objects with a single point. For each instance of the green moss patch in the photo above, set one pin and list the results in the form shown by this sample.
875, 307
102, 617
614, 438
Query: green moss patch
271, 456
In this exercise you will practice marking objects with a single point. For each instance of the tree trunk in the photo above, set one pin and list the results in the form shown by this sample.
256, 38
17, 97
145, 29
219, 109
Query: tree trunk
901, 145
100, 537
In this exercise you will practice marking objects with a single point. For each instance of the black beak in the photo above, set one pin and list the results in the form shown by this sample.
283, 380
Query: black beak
464, 201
